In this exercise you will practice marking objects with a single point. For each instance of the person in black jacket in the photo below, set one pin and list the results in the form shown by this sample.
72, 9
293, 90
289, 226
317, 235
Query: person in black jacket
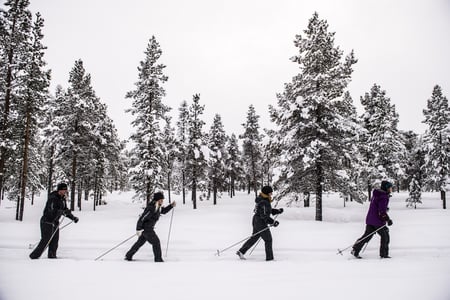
54, 208
145, 227
261, 221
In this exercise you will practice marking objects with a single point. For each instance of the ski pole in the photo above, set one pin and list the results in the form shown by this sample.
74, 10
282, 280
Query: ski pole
31, 246
223, 250
103, 254
170, 229
361, 239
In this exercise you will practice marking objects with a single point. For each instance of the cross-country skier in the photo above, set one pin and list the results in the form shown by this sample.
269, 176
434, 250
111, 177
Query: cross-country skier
261, 220
376, 220
54, 208
145, 227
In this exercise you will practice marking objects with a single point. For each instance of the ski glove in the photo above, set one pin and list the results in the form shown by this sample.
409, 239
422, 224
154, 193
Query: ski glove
277, 211
139, 232
389, 222
75, 219
275, 223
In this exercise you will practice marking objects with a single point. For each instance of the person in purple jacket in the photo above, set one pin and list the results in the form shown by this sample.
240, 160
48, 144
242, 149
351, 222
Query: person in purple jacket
376, 221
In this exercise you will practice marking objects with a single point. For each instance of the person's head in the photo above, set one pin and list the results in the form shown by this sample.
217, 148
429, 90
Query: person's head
61, 188
267, 190
386, 186
158, 198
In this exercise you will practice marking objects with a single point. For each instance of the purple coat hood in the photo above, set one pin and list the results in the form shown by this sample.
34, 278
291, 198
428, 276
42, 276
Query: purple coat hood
377, 214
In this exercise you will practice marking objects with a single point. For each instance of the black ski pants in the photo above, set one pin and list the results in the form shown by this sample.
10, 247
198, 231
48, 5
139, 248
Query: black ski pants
147, 236
259, 226
367, 236
47, 230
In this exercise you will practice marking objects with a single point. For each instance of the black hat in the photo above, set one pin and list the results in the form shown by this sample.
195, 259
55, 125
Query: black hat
267, 190
385, 185
61, 186
158, 196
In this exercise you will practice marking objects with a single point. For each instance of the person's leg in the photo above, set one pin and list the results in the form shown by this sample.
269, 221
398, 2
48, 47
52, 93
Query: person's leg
249, 243
141, 241
365, 238
384, 243
53, 245
46, 233
258, 225
153, 239
266, 235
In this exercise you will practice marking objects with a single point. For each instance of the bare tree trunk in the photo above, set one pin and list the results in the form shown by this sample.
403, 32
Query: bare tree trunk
319, 188
194, 188
50, 170
183, 175
214, 192
148, 192
306, 199
74, 176
254, 173
168, 186
444, 201
24, 177
79, 195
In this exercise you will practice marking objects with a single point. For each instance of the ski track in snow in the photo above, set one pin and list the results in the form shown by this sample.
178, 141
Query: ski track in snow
307, 264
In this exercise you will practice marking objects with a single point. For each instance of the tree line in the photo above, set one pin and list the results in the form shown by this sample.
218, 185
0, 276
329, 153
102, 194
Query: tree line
319, 143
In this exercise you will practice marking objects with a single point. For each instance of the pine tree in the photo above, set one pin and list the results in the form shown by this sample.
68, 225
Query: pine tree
416, 174
252, 149
217, 157
195, 161
35, 81
170, 153
353, 162
105, 157
182, 139
15, 37
81, 141
315, 132
80, 120
415, 193
411, 140
149, 112
270, 158
437, 139
53, 124
384, 149
233, 164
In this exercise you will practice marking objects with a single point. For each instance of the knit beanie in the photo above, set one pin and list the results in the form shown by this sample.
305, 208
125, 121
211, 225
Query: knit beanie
158, 196
267, 190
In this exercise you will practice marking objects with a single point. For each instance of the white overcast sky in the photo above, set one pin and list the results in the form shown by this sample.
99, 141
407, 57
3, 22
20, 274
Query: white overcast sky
236, 52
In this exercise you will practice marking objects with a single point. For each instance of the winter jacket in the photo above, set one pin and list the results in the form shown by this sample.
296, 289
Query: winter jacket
56, 207
151, 215
263, 210
377, 214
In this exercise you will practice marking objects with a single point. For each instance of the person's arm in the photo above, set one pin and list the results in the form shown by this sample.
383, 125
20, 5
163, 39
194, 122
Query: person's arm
146, 215
166, 209
265, 212
383, 208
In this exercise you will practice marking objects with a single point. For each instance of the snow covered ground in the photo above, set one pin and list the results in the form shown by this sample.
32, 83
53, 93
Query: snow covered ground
306, 263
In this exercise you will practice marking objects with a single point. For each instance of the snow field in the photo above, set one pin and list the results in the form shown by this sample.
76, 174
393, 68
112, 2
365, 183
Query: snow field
306, 264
